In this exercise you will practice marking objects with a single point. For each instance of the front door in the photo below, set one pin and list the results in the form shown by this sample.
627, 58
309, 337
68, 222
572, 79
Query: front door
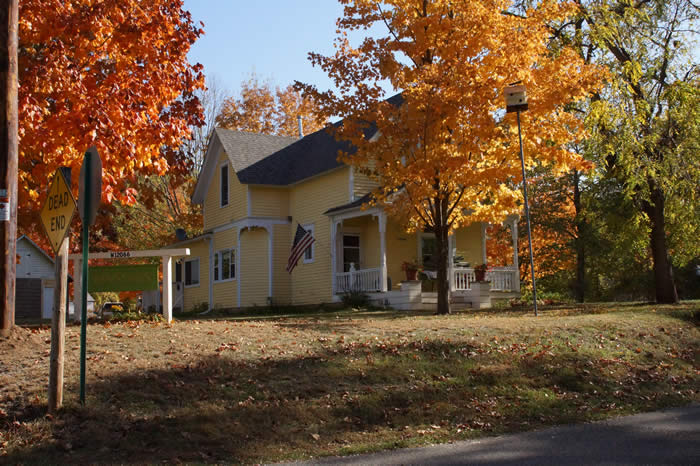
351, 251
47, 304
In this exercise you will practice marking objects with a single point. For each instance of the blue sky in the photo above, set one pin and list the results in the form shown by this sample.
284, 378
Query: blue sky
270, 37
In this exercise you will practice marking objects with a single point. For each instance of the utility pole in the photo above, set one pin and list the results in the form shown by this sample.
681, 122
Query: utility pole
8, 162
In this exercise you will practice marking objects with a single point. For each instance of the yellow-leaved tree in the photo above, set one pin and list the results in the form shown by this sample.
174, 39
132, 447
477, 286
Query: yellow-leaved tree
446, 154
259, 109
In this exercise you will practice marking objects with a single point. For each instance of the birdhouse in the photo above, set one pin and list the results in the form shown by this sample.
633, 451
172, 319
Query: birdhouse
516, 99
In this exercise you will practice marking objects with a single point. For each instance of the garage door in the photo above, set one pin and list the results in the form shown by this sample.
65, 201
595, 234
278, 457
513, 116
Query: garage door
28, 298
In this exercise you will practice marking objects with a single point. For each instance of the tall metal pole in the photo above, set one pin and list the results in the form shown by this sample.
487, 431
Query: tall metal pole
527, 216
84, 290
8, 163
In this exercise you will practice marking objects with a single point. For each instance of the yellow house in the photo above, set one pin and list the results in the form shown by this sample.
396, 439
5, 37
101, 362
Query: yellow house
256, 188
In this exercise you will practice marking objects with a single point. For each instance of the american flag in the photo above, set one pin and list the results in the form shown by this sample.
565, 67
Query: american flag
302, 240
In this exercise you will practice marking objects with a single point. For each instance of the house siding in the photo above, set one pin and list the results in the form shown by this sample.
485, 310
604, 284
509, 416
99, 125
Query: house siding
237, 207
468, 243
400, 247
226, 293
362, 184
33, 264
281, 280
311, 283
254, 267
269, 202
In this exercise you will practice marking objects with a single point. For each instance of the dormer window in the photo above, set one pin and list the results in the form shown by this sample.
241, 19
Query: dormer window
223, 183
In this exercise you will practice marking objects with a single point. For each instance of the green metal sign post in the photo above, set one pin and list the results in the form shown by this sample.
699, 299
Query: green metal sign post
84, 291
90, 192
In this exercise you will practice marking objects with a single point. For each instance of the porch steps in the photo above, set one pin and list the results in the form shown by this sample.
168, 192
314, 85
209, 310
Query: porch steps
457, 301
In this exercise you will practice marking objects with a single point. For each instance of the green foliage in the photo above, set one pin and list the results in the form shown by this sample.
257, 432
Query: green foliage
355, 299
199, 308
102, 297
135, 316
646, 126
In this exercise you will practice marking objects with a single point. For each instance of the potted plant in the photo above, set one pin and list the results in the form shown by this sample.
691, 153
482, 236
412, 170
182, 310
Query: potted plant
480, 272
411, 268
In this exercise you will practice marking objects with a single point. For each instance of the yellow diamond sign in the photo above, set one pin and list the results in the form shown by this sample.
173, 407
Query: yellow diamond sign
57, 213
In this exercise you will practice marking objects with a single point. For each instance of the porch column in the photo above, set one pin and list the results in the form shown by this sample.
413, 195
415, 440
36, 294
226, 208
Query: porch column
484, 226
270, 245
167, 289
334, 253
77, 288
382, 251
451, 261
211, 273
516, 265
238, 267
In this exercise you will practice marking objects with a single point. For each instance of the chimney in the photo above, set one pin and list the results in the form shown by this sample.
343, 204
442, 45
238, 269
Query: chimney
301, 128
180, 234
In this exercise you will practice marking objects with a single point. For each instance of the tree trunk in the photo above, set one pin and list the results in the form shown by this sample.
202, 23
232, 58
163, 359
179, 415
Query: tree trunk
580, 285
663, 272
443, 284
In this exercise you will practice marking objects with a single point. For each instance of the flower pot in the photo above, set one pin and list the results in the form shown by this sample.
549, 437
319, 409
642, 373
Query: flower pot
480, 275
411, 275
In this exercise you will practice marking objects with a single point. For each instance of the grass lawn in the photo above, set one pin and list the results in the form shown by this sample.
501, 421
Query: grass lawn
340, 382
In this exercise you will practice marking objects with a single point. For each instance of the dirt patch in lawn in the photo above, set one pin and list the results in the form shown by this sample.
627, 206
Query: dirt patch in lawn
250, 391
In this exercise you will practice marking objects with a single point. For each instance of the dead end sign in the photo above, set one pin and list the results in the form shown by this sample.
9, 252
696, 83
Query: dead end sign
58, 210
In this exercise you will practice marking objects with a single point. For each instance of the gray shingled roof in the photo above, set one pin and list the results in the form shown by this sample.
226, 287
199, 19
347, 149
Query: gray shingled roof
281, 161
350, 205
313, 154
245, 149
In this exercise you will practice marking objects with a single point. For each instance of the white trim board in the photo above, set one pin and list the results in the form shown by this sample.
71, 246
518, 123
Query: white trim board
130, 254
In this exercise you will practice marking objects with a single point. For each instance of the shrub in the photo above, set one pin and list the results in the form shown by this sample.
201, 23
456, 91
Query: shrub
355, 298
135, 316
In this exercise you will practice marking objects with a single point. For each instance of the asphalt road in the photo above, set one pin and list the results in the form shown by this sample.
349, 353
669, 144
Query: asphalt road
663, 437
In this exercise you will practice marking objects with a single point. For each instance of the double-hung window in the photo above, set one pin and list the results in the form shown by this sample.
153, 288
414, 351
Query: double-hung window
192, 272
225, 265
223, 184
309, 252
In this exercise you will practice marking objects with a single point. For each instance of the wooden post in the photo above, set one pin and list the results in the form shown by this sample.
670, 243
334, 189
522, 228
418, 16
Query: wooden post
58, 319
167, 289
8, 163
58, 329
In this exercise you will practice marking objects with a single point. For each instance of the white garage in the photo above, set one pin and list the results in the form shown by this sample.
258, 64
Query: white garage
36, 282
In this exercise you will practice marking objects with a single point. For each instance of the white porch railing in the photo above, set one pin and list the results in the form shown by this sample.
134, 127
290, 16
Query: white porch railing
501, 278
463, 278
358, 280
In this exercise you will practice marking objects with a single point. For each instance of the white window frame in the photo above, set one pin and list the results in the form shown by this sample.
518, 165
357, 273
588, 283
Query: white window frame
199, 271
218, 262
310, 228
222, 167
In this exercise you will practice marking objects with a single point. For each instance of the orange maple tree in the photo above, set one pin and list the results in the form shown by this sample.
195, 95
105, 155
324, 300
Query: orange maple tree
446, 155
259, 109
554, 232
109, 73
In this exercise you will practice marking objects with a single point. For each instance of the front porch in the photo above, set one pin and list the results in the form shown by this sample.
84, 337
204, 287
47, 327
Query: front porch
465, 291
367, 251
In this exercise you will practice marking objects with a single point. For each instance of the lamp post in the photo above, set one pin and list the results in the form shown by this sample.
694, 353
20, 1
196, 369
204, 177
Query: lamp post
516, 101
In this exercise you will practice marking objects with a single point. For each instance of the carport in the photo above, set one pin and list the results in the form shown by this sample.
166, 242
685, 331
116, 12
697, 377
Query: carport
166, 256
